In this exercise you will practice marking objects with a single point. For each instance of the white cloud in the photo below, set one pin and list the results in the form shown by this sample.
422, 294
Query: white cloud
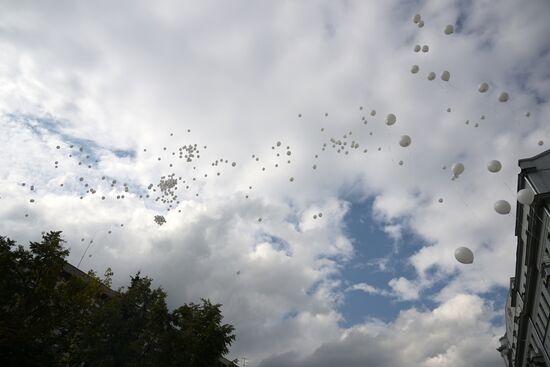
454, 334
238, 76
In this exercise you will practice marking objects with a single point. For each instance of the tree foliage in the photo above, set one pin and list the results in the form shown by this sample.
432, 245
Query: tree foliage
46, 320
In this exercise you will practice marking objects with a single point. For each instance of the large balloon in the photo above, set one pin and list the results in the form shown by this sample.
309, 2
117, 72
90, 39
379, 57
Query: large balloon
526, 196
449, 29
494, 166
483, 87
457, 169
502, 207
445, 76
405, 141
464, 255
390, 119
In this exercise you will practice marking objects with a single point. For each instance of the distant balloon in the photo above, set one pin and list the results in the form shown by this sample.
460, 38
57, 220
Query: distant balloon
417, 18
440, 200
431, 75
405, 141
541, 142
464, 255
494, 166
483, 87
400, 163
390, 119
445, 76
457, 169
421, 24
373, 112
449, 29
425, 48
415, 69
502, 207
526, 196
417, 48
503, 97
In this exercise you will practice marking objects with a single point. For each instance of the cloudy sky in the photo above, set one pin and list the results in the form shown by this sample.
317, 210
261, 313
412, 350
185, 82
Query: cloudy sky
327, 243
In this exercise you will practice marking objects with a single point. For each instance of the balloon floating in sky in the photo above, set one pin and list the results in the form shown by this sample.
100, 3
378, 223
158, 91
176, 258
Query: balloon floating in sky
494, 166
445, 76
502, 207
417, 18
415, 69
464, 255
431, 75
390, 119
483, 87
421, 24
541, 142
457, 169
503, 97
425, 48
449, 29
405, 141
160, 220
417, 48
526, 196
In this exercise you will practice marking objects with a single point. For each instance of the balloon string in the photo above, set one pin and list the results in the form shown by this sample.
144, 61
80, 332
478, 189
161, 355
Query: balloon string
85, 251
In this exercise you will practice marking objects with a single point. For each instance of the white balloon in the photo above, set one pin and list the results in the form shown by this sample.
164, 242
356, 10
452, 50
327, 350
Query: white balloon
503, 97
425, 48
431, 75
416, 18
415, 69
449, 29
457, 169
464, 255
417, 48
502, 207
494, 166
445, 76
483, 87
390, 119
526, 196
405, 141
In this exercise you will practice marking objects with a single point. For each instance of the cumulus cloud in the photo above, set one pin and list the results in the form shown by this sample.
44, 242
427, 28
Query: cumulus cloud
124, 81
454, 334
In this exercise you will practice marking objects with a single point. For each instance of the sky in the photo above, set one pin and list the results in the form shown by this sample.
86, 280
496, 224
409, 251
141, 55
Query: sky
257, 131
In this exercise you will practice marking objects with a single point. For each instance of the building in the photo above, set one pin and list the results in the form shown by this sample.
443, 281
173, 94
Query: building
527, 341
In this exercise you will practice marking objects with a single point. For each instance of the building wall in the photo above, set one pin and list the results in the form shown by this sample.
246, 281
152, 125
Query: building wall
527, 340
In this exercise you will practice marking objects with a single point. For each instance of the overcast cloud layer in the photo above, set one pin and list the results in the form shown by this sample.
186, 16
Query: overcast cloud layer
123, 80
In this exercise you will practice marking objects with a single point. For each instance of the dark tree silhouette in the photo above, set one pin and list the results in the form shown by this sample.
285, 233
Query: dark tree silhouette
50, 320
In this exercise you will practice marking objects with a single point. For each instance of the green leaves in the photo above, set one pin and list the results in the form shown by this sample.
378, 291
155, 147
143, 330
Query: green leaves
52, 314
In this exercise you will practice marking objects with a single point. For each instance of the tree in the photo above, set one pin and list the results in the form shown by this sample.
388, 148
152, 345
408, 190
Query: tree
47, 321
